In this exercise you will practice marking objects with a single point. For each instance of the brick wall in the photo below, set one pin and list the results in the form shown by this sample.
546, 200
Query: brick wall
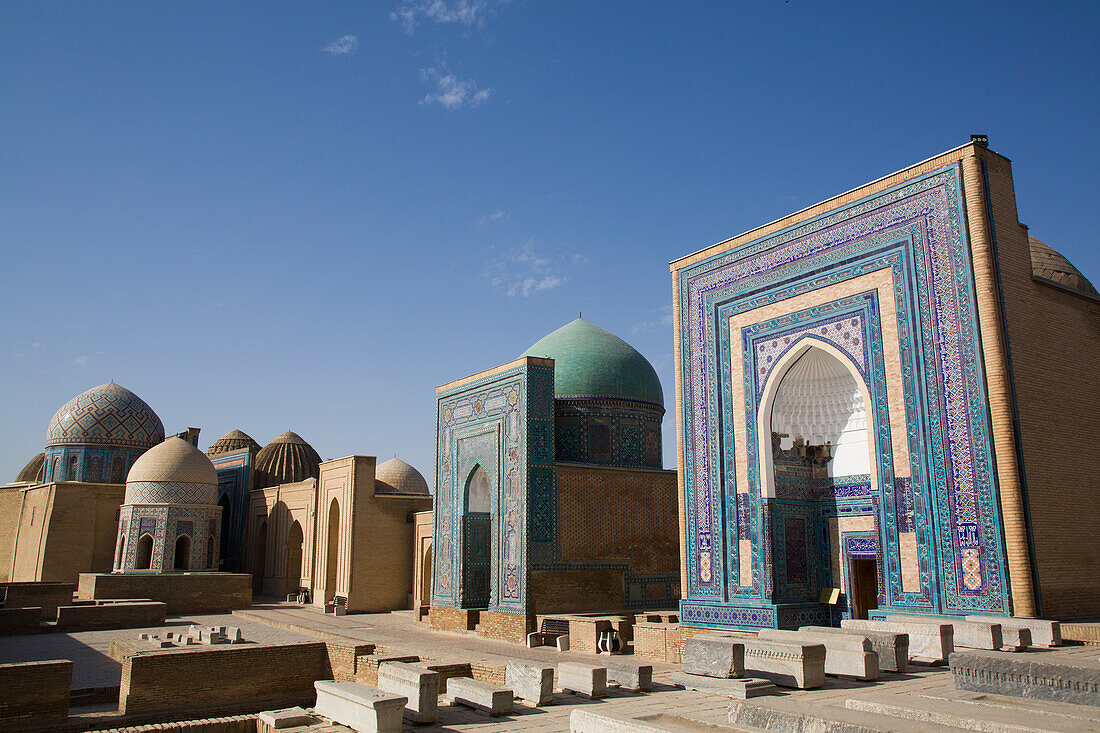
234, 677
35, 693
657, 641
512, 627
183, 592
47, 596
15, 621
1054, 338
111, 616
367, 673
577, 591
445, 618
10, 500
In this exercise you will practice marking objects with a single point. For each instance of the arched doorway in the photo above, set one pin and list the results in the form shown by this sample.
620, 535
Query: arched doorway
477, 539
294, 558
226, 505
259, 558
332, 556
183, 553
143, 559
426, 577
816, 433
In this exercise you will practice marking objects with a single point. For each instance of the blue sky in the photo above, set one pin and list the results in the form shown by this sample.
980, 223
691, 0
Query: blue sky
274, 216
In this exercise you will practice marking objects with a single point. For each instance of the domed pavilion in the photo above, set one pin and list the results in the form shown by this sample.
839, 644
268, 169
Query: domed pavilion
550, 496
170, 518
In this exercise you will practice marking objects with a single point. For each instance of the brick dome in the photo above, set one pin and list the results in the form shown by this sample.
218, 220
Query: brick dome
174, 472
286, 460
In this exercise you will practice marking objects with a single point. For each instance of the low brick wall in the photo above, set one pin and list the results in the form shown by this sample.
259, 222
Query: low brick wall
228, 724
35, 693
15, 621
444, 618
182, 592
367, 673
111, 616
47, 595
657, 641
226, 678
512, 627
345, 661
1081, 632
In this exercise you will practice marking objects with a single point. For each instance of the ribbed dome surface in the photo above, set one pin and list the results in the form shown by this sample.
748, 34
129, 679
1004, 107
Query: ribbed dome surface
285, 460
818, 400
32, 472
1048, 264
397, 477
107, 415
592, 362
174, 472
233, 440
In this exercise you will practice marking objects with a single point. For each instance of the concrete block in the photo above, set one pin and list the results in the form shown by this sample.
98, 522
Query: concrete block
1016, 639
1043, 631
589, 680
1031, 676
483, 696
419, 685
845, 655
788, 664
892, 647
285, 718
929, 640
741, 688
714, 655
630, 674
361, 708
969, 634
562, 643
531, 682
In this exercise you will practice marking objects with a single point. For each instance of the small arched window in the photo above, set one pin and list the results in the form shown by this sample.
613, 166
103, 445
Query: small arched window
74, 463
116, 470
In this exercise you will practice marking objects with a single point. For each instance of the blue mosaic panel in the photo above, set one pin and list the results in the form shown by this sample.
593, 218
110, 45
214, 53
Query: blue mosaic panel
917, 232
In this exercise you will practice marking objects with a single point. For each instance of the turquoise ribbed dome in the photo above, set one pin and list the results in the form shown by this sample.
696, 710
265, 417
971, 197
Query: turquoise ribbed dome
592, 362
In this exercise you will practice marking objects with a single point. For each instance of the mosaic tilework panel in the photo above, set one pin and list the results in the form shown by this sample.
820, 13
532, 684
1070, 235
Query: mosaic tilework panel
108, 415
92, 464
917, 231
502, 406
170, 492
635, 432
234, 480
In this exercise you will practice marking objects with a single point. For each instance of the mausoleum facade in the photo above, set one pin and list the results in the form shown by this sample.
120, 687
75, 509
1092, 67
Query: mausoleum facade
875, 396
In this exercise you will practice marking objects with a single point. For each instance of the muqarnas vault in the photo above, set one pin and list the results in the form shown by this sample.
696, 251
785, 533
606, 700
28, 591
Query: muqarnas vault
881, 394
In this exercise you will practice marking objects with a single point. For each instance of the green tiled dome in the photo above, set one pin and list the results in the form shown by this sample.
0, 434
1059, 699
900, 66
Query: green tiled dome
592, 362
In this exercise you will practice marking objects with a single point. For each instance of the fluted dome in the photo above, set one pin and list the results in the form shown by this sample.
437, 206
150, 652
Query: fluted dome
1048, 264
285, 460
231, 441
590, 362
397, 477
32, 472
174, 472
107, 415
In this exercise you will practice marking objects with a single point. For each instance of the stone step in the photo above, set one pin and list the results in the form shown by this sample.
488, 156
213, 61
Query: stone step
590, 721
969, 716
794, 714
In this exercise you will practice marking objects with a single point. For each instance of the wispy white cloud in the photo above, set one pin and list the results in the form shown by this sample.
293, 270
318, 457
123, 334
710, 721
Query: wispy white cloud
343, 46
468, 13
495, 216
452, 92
523, 271
662, 318
81, 360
